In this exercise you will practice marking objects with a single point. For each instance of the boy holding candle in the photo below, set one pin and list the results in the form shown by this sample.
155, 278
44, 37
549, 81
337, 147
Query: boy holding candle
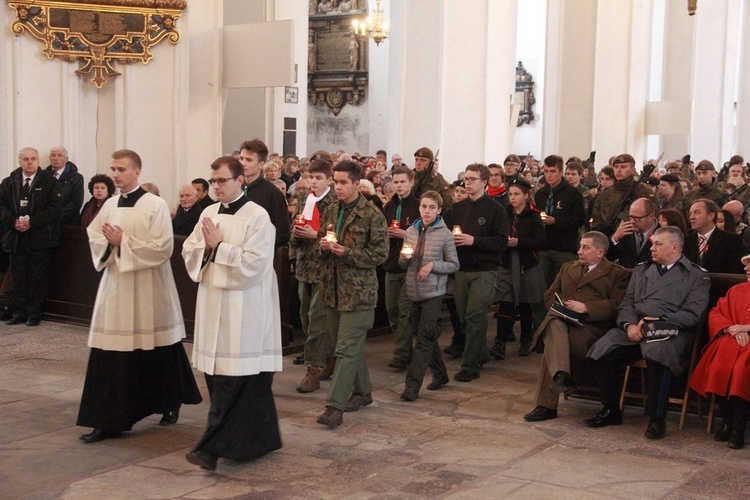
319, 342
429, 256
400, 213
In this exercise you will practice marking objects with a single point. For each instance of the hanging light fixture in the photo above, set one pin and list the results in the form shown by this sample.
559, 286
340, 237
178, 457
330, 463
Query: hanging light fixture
372, 27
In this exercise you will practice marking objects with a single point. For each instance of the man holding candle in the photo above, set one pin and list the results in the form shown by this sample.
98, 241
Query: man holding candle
353, 242
309, 269
483, 238
400, 213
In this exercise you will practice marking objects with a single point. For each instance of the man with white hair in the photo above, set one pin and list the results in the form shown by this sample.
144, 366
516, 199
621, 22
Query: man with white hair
71, 185
188, 213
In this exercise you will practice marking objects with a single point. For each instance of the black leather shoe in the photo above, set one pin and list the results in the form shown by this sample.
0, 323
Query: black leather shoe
464, 376
722, 435
299, 360
169, 417
6, 313
437, 383
33, 322
99, 435
561, 382
539, 414
657, 428
202, 458
736, 440
17, 319
606, 416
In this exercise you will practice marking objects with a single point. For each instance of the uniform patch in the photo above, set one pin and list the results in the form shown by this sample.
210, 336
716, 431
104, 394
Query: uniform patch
481, 221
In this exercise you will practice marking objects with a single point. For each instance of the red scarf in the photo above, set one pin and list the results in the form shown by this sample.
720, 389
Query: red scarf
495, 192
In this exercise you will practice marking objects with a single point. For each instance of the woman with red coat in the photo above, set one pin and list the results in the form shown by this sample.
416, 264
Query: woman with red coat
724, 369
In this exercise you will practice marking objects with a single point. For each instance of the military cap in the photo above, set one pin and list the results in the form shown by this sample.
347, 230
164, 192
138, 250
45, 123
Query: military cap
511, 158
736, 159
669, 178
424, 153
624, 158
705, 165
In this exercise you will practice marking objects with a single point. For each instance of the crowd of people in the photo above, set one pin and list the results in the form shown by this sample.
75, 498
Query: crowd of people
600, 269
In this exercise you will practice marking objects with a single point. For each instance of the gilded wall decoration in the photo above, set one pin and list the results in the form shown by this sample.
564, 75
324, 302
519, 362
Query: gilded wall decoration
98, 33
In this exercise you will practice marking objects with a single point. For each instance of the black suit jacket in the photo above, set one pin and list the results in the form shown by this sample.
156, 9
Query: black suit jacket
626, 253
722, 255
43, 211
71, 193
184, 222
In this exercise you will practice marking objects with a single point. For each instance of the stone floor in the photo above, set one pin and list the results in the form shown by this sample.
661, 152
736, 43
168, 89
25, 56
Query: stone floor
465, 441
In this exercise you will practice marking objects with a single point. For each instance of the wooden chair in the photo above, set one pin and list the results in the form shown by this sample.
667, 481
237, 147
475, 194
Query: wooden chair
684, 400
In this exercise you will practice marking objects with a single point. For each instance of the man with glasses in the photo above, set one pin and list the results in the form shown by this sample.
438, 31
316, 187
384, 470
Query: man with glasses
253, 155
631, 243
237, 322
610, 198
512, 165
480, 228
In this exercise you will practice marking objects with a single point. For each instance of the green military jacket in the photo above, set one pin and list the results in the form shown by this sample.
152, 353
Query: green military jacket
437, 183
609, 200
349, 282
309, 267
712, 192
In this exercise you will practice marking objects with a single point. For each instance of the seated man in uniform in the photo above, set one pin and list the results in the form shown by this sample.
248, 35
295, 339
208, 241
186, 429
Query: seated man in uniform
591, 286
669, 288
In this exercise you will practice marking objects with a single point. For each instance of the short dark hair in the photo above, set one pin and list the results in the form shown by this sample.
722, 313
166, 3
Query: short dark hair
499, 167
102, 179
130, 155
554, 161
711, 207
351, 168
256, 146
403, 170
574, 165
320, 167
202, 182
481, 169
434, 196
381, 151
234, 165
600, 240
609, 172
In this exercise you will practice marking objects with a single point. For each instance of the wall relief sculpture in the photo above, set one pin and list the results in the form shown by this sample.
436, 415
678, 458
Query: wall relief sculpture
525, 86
98, 33
337, 70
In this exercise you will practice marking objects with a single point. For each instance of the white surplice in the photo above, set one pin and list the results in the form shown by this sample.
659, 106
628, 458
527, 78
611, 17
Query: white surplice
237, 316
137, 306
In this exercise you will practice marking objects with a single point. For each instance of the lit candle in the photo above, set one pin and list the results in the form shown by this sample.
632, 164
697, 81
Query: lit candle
543, 215
395, 224
299, 220
407, 251
457, 229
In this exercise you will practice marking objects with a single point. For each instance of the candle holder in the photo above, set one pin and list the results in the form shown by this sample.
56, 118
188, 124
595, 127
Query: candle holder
300, 220
407, 251
457, 229
395, 224
543, 215
331, 234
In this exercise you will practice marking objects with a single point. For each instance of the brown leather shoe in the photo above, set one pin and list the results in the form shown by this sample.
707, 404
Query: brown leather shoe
311, 382
327, 372
357, 400
332, 417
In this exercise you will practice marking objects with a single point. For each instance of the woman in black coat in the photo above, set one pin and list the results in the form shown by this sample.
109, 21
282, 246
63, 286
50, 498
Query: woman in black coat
520, 281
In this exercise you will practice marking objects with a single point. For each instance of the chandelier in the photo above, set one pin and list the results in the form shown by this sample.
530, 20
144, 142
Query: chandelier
373, 27
692, 6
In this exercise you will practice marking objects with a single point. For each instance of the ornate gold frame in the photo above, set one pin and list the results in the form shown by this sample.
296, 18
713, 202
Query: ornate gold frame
98, 32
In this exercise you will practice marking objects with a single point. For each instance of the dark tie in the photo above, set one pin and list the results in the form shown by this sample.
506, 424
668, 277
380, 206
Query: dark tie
551, 201
661, 269
27, 187
638, 241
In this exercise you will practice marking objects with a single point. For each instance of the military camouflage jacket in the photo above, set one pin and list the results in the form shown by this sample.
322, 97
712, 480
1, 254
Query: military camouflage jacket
609, 200
712, 192
309, 267
434, 183
349, 282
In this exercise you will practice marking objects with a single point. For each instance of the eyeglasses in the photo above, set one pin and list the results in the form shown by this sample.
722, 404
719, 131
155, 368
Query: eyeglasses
636, 218
221, 181
469, 180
